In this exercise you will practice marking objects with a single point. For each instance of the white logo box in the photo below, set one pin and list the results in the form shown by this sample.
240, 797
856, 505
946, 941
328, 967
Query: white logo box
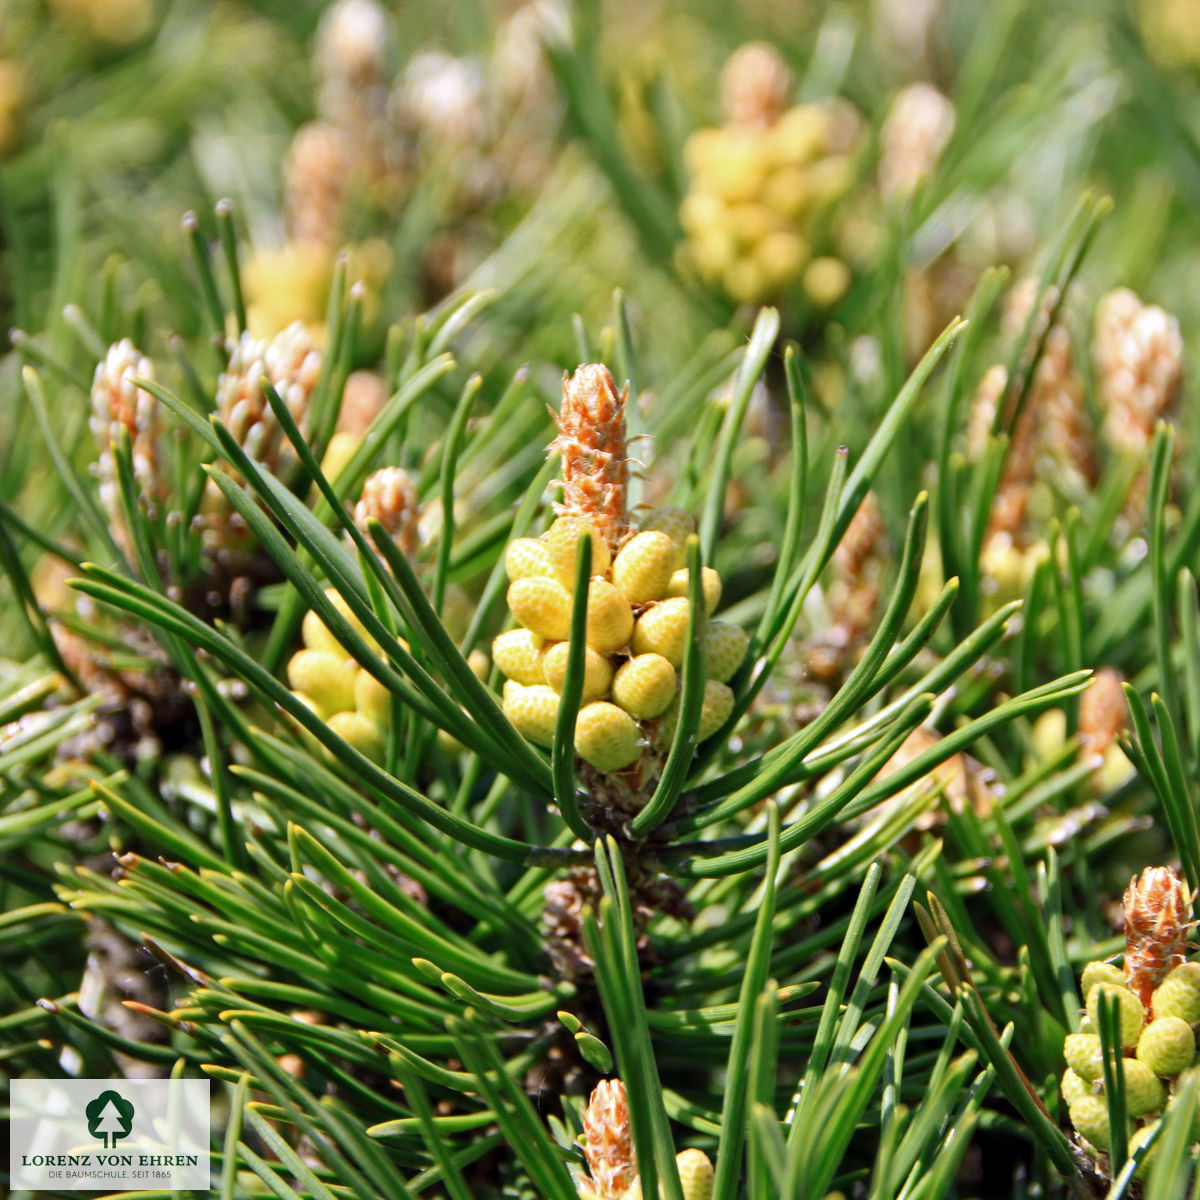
109, 1134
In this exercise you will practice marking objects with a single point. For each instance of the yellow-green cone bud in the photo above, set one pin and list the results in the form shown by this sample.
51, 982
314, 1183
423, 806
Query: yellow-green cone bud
663, 629
1144, 1091
457, 611
533, 711
372, 699
525, 557
1074, 1086
339, 602
1089, 1115
609, 617
309, 739
1083, 1053
338, 453
316, 636
327, 679
644, 566
1137, 1140
695, 1174
1167, 1046
449, 744
360, 732
726, 649
710, 585
480, 664
607, 736
542, 605
517, 654
597, 670
1129, 1010
677, 523
644, 686
718, 704
561, 540
826, 281
1179, 994
1101, 972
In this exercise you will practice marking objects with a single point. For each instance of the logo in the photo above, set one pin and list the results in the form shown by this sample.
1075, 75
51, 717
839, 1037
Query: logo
106, 1135
109, 1116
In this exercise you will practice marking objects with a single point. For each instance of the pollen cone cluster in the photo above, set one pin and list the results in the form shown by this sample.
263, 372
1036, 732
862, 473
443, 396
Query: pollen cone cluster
612, 1164
1158, 1005
323, 676
1169, 32
760, 181
638, 611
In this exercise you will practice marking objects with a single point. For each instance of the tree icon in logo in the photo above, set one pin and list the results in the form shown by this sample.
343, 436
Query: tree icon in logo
109, 1116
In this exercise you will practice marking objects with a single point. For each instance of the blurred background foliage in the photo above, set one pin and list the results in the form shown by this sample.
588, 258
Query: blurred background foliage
443, 208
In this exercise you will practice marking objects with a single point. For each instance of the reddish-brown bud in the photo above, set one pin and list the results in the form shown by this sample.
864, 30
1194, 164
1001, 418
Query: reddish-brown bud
1102, 712
389, 496
591, 445
1157, 923
608, 1141
755, 86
